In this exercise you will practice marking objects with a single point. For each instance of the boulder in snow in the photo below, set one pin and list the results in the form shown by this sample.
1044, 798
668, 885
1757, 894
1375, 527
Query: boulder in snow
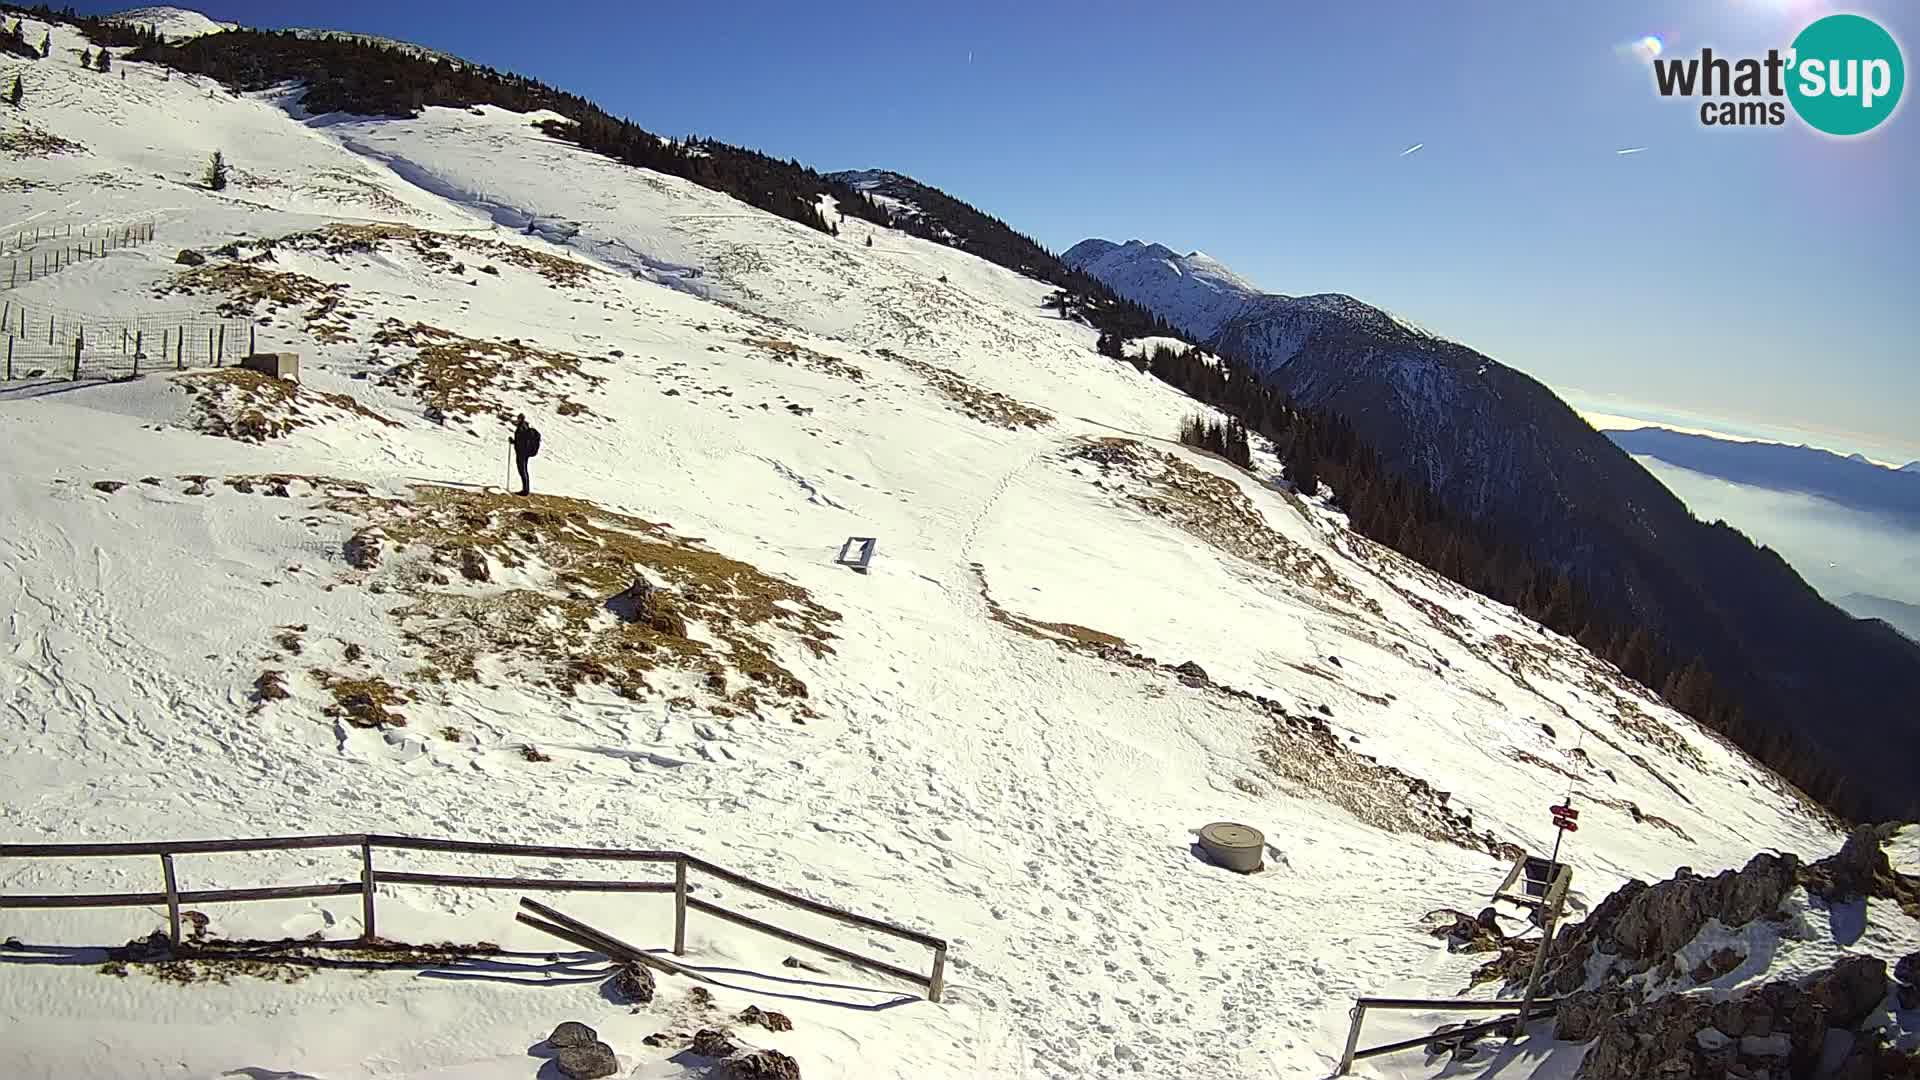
572, 1033
189, 257
587, 1062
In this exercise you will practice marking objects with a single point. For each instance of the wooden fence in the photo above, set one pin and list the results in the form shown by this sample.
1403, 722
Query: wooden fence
1354, 1052
42, 341
39, 252
371, 877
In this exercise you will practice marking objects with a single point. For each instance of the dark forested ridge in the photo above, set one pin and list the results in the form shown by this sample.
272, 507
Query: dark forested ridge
1654, 617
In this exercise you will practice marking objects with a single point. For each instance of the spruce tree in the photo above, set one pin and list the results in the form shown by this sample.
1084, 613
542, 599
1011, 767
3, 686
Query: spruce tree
86, 58
46, 45
104, 62
869, 239
13, 97
217, 172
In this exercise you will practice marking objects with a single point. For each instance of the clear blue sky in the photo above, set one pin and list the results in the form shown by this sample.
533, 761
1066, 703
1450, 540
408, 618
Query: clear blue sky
1763, 275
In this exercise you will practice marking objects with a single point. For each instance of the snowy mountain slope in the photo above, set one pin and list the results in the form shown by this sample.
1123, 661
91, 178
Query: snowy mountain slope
172, 23
993, 742
1499, 446
1192, 291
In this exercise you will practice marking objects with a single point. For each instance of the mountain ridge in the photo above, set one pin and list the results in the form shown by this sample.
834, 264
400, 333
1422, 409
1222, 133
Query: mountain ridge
1500, 446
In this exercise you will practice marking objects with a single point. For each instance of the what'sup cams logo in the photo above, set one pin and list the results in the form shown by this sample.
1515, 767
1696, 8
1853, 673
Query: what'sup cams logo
1842, 75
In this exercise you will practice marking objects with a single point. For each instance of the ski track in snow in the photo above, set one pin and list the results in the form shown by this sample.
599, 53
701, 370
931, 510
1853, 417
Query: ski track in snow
1031, 803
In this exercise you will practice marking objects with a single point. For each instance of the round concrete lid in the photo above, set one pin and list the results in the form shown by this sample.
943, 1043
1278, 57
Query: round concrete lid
1228, 834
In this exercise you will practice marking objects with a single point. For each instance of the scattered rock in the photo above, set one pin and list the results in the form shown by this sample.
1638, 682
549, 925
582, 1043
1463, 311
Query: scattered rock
1907, 971
271, 686
699, 997
189, 257
1191, 670
572, 1033
108, 486
532, 753
1548, 729
151, 481
473, 565
1722, 961
772, 1021
354, 652
587, 1062
279, 491
632, 984
363, 549
1851, 989
667, 619
1583, 1012
1860, 869
713, 1043
764, 1065
495, 271
717, 681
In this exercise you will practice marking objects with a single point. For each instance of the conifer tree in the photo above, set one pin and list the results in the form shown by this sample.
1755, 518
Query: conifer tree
86, 58
46, 44
104, 62
216, 178
869, 239
13, 96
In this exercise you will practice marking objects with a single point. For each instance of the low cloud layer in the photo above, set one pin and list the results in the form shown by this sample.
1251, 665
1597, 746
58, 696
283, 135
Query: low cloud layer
1838, 550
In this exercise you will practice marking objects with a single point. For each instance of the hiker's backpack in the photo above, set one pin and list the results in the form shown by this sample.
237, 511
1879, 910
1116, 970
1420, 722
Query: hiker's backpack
533, 442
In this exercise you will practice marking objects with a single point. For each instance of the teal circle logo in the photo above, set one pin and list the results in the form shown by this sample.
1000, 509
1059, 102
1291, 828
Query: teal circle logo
1846, 75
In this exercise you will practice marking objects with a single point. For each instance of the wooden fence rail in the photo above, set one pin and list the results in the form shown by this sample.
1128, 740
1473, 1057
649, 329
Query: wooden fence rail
1358, 1016
371, 878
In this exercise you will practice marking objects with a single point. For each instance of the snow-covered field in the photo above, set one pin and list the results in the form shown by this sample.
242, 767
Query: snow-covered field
992, 744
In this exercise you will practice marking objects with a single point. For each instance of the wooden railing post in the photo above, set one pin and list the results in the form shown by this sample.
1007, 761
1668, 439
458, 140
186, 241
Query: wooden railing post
366, 891
173, 900
1353, 1041
937, 985
680, 906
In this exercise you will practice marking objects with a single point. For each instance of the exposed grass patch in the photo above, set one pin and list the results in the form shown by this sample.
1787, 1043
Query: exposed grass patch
786, 352
1215, 510
987, 406
1061, 633
201, 961
362, 702
710, 613
437, 249
236, 403
29, 140
458, 376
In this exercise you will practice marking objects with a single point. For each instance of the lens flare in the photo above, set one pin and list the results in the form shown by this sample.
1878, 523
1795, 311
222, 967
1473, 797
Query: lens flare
1649, 47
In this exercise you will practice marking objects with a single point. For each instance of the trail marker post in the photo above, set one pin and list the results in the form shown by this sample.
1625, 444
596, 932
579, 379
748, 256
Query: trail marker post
1565, 820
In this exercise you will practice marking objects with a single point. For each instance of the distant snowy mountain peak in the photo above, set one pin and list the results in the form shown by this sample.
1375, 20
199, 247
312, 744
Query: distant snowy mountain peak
172, 23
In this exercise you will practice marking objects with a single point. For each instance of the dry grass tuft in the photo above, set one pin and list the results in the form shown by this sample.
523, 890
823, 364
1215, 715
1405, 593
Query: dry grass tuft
1215, 510
236, 403
29, 140
461, 376
987, 406
437, 249
364, 703
786, 352
711, 612
1068, 634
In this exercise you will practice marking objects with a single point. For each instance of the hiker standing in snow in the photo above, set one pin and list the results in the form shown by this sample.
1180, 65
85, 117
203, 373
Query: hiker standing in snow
526, 443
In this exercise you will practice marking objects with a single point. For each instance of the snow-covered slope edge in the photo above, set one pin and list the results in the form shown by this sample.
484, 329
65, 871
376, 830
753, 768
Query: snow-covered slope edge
993, 735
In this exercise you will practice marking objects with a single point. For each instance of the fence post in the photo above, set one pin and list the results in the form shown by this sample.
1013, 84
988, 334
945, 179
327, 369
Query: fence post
49, 329
76, 359
223, 344
680, 906
211, 358
937, 985
366, 890
180, 348
173, 900
250, 344
9, 357
138, 352
1353, 1040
